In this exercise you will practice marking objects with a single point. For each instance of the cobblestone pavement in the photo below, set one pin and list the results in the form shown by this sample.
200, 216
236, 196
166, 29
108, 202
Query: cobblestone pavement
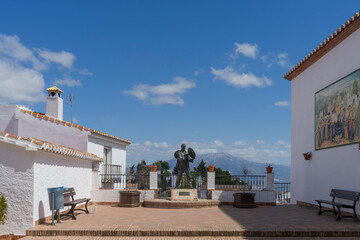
290, 218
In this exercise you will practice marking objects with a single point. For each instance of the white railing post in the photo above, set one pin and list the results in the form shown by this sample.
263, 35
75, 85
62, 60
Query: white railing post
269, 181
153, 180
210, 180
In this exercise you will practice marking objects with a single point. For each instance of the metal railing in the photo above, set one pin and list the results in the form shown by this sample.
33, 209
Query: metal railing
166, 182
111, 169
239, 182
112, 177
282, 193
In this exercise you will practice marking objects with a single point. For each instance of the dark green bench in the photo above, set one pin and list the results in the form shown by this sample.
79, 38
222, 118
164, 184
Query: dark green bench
70, 201
340, 194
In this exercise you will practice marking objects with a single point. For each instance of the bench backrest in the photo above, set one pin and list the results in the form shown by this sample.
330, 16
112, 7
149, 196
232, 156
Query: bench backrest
344, 194
70, 192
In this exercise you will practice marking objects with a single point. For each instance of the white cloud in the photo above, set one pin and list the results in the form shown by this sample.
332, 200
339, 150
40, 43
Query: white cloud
282, 103
164, 93
64, 58
85, 72
67, 82
283, 144
198, 72
151, 151
246, 49
243, 80
218, 143
13, 50
19, 84
240, 143
21, 79
283, 60
74, 120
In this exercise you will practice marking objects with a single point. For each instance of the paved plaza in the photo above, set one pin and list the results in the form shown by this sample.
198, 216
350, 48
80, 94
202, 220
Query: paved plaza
225, 221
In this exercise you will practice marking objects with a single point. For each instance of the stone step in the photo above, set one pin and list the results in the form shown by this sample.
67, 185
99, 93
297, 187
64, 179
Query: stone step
182, 238
191, 233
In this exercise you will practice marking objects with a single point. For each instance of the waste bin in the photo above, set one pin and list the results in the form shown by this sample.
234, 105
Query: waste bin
58, 201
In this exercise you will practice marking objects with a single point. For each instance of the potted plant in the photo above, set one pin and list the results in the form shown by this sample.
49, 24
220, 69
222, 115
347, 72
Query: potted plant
269, 168
307, 155
3, 209
153, 168
211, 168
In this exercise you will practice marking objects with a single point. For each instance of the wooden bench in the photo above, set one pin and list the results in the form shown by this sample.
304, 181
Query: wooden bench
340, 194
70, 201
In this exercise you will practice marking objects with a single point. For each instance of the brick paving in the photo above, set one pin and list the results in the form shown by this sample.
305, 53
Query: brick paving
264, 221
182, 238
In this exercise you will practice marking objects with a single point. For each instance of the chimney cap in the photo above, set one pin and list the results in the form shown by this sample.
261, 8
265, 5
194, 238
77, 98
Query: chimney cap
54, 89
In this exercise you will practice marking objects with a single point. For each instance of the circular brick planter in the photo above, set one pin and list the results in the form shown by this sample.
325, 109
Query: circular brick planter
165, 203
244, 200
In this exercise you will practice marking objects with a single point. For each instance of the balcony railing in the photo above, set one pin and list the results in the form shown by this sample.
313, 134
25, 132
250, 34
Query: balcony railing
111, 169
239, 182
282, 193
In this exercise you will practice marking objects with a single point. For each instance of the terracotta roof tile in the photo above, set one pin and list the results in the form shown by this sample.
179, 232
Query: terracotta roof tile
48, 146
81, 128
54, 88
324, 47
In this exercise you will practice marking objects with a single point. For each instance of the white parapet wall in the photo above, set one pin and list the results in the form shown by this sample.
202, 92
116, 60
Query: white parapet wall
113, 196
226, 196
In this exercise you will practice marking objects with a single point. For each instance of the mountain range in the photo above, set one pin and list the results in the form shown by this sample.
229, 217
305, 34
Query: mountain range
236, 165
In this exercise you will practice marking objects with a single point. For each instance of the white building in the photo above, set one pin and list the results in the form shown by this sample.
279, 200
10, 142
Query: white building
40, 151
338, 165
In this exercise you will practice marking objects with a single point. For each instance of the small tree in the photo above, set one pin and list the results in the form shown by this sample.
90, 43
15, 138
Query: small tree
176, 169
355, 87
3, 209
201, 169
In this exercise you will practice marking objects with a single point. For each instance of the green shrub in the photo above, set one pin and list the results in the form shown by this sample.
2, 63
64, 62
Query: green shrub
3, 209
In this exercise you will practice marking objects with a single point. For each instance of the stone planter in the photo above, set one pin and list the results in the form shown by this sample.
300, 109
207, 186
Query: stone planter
129, 199
244, 200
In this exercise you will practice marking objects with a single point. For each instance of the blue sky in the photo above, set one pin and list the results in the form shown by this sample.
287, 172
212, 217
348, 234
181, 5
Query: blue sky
159, 73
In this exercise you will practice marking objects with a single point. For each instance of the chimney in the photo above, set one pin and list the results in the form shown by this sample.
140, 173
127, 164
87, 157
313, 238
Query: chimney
54, 103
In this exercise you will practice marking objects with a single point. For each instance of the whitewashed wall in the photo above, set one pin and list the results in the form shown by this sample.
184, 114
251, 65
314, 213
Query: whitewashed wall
96, 146
53, 170
8, 123
16, 182
328, 168
30, 126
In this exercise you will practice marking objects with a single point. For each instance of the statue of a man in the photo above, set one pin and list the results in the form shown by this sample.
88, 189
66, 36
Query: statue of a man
183, 158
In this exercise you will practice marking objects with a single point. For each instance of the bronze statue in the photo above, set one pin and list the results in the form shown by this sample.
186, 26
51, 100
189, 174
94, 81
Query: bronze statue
183, 158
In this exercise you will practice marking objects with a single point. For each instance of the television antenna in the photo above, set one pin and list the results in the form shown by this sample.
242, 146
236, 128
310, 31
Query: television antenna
70, 99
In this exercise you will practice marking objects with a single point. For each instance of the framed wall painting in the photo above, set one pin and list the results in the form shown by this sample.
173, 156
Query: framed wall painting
337, 113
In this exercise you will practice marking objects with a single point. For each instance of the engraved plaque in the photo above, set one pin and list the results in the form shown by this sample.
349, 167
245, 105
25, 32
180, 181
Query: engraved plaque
184, 195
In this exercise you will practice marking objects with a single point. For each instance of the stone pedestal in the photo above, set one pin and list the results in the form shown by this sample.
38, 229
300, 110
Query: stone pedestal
269, 181
153, 180
244, 200
210, 180
129, 199
184, 195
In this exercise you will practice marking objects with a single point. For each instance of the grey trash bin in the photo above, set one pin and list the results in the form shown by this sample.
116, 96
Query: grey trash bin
58, 198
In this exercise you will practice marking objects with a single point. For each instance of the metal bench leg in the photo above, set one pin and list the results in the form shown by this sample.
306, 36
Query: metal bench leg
335, 212
72, 212
339, 214
86, 208
355, 216
319, 212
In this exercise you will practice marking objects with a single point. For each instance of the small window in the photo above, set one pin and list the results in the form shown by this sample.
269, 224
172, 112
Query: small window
107, 160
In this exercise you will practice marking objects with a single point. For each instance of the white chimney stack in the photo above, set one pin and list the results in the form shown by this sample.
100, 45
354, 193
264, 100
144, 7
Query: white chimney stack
54, 103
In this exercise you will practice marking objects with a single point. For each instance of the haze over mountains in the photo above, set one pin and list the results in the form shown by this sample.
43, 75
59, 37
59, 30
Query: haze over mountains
235, 165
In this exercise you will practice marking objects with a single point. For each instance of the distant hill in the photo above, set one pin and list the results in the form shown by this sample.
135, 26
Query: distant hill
235, 165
